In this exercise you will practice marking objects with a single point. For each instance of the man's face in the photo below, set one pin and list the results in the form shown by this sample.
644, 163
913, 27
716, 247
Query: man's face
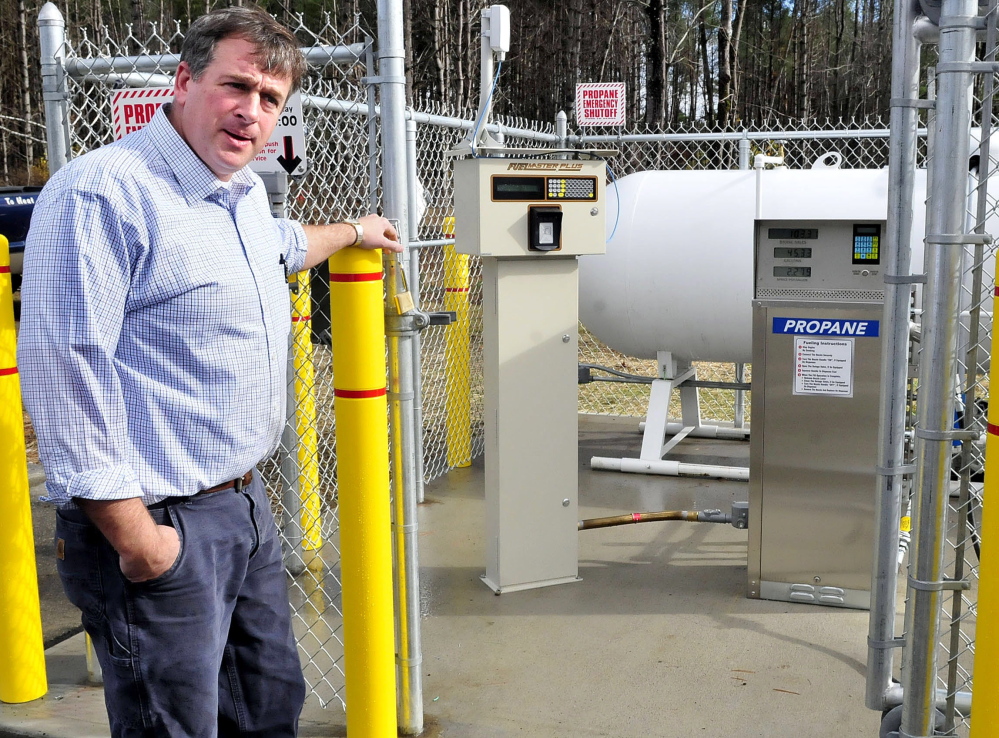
228, 114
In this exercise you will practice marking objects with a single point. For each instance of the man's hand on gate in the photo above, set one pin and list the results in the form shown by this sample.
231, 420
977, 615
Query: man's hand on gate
379, 233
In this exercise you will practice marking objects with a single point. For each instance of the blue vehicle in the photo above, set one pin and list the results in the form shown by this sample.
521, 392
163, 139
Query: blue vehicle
16, 205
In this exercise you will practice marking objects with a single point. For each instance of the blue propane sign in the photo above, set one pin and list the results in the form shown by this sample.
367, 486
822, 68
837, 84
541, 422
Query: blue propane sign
831, 327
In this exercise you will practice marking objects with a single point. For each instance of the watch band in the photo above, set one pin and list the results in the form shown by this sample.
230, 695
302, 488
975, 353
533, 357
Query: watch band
358, 229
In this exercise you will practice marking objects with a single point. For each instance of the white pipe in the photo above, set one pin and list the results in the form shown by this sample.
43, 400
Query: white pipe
759, 162
705, 431
670, 468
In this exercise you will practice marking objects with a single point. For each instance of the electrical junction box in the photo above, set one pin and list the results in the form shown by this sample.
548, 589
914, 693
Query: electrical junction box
529, 207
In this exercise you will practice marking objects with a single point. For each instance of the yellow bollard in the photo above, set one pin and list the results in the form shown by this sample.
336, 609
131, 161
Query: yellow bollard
457, 355
22, 664
305, 417
358, 328
985, 695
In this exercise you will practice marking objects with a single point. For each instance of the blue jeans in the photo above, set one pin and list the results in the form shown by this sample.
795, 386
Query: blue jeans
206, 649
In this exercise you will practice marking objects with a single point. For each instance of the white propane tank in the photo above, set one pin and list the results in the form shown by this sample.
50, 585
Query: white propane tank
678, 272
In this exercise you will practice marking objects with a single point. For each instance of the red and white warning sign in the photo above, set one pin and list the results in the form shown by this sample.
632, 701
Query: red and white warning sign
600, 104
131, 109
286, 149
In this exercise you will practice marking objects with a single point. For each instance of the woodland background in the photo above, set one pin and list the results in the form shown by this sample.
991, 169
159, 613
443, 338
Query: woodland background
720, 64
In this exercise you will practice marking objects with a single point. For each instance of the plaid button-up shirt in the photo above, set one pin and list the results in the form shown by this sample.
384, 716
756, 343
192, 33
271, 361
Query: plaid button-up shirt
155, 320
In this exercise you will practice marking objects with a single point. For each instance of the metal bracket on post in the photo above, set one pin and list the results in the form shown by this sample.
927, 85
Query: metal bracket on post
947, 435
905, 279
893, 643
905, 102
378, 80
439, 317
959, 239
940, 586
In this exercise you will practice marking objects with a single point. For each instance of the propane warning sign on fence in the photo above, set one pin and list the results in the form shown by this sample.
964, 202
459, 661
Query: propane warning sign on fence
600, 104
132, 109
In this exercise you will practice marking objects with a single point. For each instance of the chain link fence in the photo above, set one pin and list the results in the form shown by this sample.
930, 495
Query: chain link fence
962, 550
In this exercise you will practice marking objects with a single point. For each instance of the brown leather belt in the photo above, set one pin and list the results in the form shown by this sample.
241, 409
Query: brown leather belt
236, 484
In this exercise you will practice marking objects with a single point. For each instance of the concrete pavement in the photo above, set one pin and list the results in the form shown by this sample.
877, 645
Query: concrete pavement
657, 639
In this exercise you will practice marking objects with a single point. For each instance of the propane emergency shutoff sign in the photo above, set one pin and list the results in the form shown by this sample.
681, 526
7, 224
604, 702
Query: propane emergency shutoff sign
132, 109
600, 104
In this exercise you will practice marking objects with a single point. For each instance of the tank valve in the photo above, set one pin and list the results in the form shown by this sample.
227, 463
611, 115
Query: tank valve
740, 515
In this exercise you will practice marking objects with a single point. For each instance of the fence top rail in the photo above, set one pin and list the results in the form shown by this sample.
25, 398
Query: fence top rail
333, 105
79, 67
733, 136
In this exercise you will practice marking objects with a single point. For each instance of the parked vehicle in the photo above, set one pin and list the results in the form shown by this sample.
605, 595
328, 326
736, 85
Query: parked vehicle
16, 205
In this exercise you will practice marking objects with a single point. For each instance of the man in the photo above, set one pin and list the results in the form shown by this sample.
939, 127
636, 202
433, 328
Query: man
153, 348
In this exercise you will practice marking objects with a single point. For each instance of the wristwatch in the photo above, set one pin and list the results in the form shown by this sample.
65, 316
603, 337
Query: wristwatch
358, 230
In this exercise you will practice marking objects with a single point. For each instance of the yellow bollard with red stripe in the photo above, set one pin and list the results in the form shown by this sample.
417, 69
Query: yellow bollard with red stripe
985, 695
359, 389
22, 664
305, 419
457, 355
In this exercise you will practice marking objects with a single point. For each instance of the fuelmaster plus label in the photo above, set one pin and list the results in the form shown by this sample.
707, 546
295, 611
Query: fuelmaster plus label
830, 327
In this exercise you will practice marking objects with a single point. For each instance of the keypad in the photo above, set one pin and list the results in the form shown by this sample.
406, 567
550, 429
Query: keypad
572, 188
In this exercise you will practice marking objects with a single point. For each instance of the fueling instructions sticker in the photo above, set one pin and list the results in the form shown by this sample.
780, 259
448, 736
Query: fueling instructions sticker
823, 366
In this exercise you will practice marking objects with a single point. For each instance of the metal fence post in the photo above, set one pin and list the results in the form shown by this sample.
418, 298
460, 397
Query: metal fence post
894, 360
401, 332
293, 478
948, 183
413, 186
52, 40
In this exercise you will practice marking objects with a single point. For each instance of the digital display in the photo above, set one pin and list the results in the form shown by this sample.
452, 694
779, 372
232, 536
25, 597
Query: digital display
796, 234
792, 271
867, 244
783, 252
518, 188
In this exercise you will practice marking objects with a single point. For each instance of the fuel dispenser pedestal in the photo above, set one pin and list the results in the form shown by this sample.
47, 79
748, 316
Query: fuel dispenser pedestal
816, 390
529, 220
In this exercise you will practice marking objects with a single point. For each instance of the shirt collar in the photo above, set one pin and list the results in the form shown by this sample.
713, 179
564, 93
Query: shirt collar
195, 180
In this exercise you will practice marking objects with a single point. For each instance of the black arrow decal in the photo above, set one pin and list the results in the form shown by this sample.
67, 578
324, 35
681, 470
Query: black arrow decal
289, 162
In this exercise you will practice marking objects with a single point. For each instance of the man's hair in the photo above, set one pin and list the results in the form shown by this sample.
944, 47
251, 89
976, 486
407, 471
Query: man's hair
276, 46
